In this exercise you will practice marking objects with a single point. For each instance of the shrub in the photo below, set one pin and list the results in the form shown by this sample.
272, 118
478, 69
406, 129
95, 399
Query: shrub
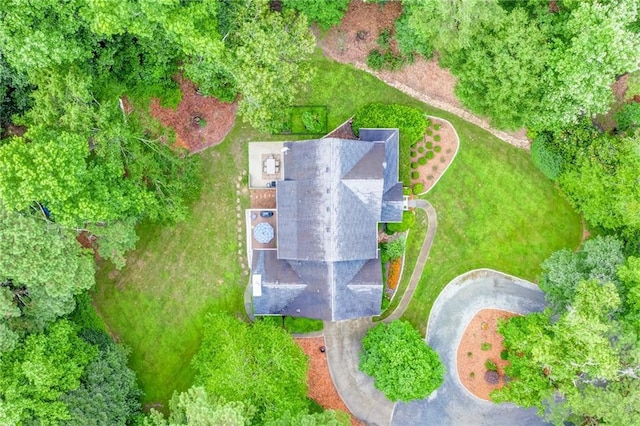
408, 220
403, 366
422, 161
421, 149
472, 375
436, 138
545, 158
628, 118
410, 121
429, 132
492, 377
436, 127
415, 175
406, 190
469, 354
312, 122
392, 250
485, 346
384, 39
413, 154
418, 188
429, 155
414, 165
302, 325
490, 365
326, 13
437, 148
375, 60
504, 355
408, 40
429, 145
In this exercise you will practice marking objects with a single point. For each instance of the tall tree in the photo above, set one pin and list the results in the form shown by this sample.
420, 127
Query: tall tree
37, 373
42, 267
259, 365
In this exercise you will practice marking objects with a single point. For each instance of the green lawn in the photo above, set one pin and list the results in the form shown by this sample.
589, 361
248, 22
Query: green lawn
494, 210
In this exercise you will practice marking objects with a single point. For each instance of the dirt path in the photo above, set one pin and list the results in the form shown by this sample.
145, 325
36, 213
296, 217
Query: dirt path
424, 79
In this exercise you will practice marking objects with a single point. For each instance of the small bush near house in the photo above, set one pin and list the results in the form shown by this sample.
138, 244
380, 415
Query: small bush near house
429, 155
403, 366
437, 148
413, 154
429, 145
418, 188
414, 165
436, 138
628, 118
485, 346
429, 132
408, 220
422, 161
312, 122
384, 39
421, 149
436, 127
415, 175
504, 355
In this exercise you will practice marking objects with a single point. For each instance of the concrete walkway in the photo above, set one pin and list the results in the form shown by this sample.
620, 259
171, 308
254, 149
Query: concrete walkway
456, 305
343, 340
432, 227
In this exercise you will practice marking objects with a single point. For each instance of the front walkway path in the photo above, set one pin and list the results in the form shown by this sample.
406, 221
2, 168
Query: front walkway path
432, 226
457, 304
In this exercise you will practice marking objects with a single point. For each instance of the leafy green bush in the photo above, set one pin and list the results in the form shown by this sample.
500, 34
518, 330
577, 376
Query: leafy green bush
421, 149
504, 355
384, 39
485, 346
422, 161
429, 155
436, 127
414, 165
429, 132
628, 118
438, 148
436, 138
302, 325
326, 13
429, 145
415, 175
375, 60
408, 41
545, 158
633, 85
312, 122
413, 154
393, 249
403, 366
418, 188
410, 121
490, 365
408, 220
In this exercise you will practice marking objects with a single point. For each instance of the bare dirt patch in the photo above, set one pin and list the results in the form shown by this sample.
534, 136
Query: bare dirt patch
480, 343
321, 388
199, 121
444, 143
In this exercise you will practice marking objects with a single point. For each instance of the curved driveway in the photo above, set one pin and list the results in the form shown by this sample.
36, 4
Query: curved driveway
456, 305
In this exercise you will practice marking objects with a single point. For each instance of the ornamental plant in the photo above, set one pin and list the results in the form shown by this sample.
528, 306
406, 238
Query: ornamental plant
403, 366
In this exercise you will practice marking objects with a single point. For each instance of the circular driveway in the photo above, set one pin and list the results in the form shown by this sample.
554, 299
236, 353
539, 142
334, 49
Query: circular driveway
456, 305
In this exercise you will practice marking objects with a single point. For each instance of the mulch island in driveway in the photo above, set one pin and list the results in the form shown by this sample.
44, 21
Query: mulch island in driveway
481, 345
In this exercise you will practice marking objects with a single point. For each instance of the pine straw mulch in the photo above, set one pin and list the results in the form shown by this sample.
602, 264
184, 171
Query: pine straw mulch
321, 387
471, 358
431, 172
199, 121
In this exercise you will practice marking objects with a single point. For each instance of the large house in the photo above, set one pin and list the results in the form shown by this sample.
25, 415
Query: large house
330, 196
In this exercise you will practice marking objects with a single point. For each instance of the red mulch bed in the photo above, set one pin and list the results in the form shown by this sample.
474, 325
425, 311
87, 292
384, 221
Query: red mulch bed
199, 121
321, 388
471, 358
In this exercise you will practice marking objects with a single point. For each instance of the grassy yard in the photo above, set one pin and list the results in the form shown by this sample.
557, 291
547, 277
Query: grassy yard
494, 210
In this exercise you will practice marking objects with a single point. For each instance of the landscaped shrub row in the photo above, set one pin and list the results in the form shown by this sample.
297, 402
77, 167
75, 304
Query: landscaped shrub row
411, 122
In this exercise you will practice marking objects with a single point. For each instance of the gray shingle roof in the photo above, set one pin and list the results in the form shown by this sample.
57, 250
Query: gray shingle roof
332, 197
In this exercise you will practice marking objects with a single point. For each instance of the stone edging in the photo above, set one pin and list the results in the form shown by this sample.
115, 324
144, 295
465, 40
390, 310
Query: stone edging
460, 112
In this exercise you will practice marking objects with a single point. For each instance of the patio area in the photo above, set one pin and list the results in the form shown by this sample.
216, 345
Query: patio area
265, 164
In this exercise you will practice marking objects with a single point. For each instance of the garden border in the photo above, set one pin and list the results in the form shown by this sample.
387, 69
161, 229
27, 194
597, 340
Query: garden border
452, 158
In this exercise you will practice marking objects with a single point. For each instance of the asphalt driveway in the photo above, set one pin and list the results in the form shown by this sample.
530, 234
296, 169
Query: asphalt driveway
458, 303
